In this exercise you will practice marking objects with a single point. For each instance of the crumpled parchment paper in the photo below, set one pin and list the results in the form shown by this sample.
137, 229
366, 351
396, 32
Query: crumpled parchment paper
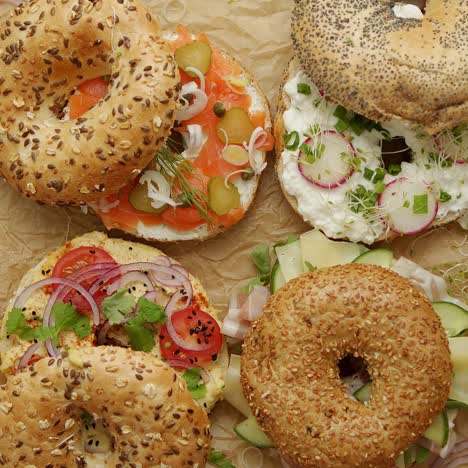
258, 34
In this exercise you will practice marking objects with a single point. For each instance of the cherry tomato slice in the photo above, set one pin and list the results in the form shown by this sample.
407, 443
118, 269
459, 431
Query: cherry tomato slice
74, 260
194, 326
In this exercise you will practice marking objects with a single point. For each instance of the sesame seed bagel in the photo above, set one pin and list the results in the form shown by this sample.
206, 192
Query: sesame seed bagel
50, 47
151, 416
368, 60
291, 378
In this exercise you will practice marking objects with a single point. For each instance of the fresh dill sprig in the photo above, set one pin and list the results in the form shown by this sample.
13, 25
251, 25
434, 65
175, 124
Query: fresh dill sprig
174, 166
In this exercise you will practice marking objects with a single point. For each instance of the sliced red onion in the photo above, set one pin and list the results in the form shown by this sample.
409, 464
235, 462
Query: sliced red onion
457, 450
206, 377
180, 269
164, 275
256, 301
162, 260
173, 301
102, 335
127, 278
235, 328
23, 362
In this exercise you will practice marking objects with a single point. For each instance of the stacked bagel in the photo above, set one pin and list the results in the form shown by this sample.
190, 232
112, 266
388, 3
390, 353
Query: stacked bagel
357, 82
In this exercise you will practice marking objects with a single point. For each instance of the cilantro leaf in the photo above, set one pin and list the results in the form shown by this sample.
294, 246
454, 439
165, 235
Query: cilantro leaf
16, 322
67, 318
142, 338
219, 459
261, 257
118, 306
194, 384
420, 204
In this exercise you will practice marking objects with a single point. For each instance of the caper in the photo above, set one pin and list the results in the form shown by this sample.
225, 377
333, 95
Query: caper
222, 199
235, 127
196, 54
248, 174
219, 109
140, 201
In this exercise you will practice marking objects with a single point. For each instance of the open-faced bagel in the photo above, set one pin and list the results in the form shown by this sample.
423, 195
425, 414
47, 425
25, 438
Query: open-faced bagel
290, 373
368, 60
50, 47
116, 211
143, 405
331, 210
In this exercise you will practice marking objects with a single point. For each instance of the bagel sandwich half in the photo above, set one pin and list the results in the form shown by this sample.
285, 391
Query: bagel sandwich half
206, 176
341, 174
97, 291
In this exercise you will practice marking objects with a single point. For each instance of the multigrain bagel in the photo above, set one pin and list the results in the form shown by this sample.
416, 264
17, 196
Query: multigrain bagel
143, 404
50, 47
368, 60
291, 379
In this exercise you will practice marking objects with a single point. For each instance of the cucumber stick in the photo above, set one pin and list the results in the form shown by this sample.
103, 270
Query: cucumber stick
454, 318
250, 431
321, 252
277, 278
379, 257
363, 394
438, 431
459, 356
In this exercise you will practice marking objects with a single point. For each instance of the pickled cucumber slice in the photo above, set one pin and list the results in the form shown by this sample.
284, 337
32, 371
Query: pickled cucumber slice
140, 201
235, 127
196, 54
222, 199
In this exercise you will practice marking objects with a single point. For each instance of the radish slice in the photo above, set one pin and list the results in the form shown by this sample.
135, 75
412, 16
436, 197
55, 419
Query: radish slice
328, 161
453, 143
410, 206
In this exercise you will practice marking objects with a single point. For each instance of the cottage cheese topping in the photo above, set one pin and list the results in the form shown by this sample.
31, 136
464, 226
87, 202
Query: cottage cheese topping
330, 209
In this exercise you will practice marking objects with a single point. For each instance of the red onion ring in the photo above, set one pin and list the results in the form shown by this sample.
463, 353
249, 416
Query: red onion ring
185, 365
23, 362
442, 463
127, 278
173, 278
180, 269
175, 337
162, 260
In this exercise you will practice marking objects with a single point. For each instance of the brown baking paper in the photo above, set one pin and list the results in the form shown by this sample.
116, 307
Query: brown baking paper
258, 34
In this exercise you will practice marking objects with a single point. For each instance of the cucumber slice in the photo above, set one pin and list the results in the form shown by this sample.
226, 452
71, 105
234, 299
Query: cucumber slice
400, 462
379, 257
363, 394
233, 393
459, 356
277, 278
454, 318
290, 260
454, 404
250, 431
438, 431
422, 454
322, 252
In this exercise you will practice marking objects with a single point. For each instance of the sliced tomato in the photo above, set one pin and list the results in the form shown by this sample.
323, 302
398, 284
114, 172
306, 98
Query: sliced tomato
196, 327
78, 258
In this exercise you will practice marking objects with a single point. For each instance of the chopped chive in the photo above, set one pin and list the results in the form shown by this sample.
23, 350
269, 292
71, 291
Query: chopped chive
444, 196
420, 204
394, 169
379, 186
303, 88
291, 141
340, 113
406, 204
368, 173
342, 125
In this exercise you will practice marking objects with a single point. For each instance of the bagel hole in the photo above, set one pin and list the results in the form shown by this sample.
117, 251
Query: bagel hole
353, 372
395, 151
